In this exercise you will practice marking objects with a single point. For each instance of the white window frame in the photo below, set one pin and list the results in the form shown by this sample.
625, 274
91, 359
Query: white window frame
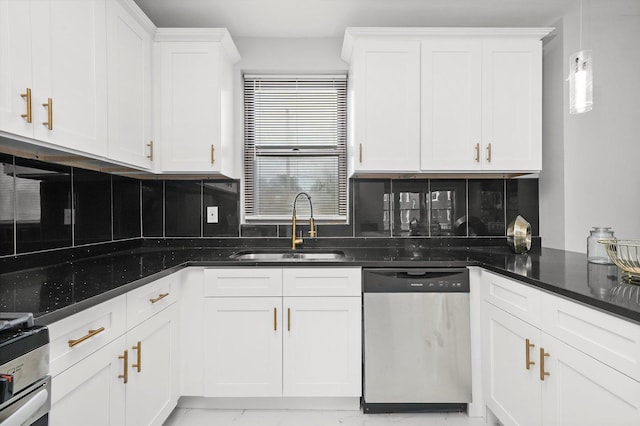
334, 146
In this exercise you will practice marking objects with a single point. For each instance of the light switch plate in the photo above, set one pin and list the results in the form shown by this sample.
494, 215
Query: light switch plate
212, 214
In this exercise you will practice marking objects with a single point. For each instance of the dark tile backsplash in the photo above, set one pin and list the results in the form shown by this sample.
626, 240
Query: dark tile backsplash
183, 202
48, 200
7, 200
43, 205
91, 206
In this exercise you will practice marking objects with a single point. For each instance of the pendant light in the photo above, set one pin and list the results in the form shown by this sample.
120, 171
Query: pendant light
580, 78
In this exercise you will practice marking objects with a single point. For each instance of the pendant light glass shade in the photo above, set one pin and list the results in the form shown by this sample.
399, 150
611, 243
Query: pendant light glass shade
580, 82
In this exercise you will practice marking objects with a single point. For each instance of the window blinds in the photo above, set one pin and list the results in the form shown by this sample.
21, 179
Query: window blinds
295, 140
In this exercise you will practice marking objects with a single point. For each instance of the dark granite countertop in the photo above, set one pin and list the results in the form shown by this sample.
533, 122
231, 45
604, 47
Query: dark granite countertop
55, 291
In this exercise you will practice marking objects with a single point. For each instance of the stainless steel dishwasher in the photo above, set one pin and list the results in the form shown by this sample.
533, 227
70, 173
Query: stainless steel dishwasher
417, 354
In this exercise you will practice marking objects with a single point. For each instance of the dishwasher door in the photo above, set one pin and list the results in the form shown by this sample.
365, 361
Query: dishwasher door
417, 352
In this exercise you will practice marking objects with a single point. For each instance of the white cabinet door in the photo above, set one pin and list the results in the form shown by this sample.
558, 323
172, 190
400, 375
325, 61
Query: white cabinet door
190, 106
322, 346
386, 87
512, 391
91, 392
15, 66
129, 73
451, 127
581, 390
69, 67
512, 104
243, 346
152, 388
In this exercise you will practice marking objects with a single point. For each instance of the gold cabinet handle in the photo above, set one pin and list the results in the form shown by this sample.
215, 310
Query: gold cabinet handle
49, 107
275, 319
288, 319
28, 114
159, 298
360, 153
488, 153
213, 154
150, 156
125, 376
543, 373
477, 153
89, 335
138, 364
528, 347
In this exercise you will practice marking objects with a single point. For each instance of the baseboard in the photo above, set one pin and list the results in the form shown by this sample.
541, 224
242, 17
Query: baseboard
266, 403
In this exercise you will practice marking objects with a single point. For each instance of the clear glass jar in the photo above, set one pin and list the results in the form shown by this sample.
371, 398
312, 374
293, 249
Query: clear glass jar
596, 252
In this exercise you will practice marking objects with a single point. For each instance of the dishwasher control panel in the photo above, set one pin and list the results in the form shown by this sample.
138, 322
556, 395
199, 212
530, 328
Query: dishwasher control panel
416, 280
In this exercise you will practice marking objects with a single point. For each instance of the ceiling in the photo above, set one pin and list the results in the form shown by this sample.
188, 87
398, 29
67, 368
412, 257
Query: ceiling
329, 18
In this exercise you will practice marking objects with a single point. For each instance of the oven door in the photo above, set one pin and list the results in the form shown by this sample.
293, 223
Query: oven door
29, 407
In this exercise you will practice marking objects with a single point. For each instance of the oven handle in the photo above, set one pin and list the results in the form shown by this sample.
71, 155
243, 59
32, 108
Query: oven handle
29, 406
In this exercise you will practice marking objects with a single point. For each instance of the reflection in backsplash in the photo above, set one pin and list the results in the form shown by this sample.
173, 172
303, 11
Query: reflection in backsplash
107, 208
43, 205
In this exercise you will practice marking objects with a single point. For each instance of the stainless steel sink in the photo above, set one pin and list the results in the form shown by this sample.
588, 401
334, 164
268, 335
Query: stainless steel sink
287, 255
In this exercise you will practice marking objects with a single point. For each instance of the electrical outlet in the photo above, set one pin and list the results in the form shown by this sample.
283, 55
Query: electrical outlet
212, 214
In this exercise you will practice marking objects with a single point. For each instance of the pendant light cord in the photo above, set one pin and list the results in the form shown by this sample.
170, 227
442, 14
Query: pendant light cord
580, 25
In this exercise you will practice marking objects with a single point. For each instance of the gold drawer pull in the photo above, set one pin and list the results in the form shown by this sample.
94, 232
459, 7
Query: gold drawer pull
528, 347
159, 298
138, 364
49, 106
28, 97
543, 373
89, 335
275, 319
488, 153
477, 153
360, 153
150, 156
288, 319
125, 375
213, 154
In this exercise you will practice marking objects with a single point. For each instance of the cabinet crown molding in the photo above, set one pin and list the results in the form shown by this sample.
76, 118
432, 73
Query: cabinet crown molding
220, 35
351, 34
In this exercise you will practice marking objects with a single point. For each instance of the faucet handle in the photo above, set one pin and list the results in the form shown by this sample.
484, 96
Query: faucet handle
312, 228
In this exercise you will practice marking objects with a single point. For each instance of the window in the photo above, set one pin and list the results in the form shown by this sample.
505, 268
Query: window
295, 140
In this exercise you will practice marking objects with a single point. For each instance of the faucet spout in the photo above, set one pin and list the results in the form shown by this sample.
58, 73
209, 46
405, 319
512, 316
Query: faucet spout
312, 224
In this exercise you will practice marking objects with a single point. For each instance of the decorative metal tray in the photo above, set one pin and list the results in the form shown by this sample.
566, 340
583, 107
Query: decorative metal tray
626, 255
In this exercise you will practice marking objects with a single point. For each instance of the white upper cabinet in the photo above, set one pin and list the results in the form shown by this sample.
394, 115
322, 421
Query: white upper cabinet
451, 116
196, 105
512, 104
430, 100
129, 40
386, 105
56, 50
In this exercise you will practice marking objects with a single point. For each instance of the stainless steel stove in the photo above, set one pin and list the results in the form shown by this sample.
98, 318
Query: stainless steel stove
25, 386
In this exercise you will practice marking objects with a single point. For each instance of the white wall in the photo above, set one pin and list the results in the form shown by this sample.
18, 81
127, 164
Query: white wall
551, 181
599, 175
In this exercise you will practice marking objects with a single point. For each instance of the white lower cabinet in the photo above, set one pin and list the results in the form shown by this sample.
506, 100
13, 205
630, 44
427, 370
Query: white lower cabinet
243, 346
91, 391
151, 393
130, 379
512, 391
534, 378
321, 344
288, 346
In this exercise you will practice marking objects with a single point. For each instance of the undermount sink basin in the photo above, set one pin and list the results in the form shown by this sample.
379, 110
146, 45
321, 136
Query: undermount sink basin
287, 255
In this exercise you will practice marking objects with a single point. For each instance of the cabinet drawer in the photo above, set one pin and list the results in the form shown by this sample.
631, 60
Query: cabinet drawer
79, 335
517, 299
243, 282
611, 340
148, 300
322, 282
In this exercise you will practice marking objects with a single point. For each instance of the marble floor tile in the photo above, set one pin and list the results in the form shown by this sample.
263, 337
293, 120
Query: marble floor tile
201, 417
